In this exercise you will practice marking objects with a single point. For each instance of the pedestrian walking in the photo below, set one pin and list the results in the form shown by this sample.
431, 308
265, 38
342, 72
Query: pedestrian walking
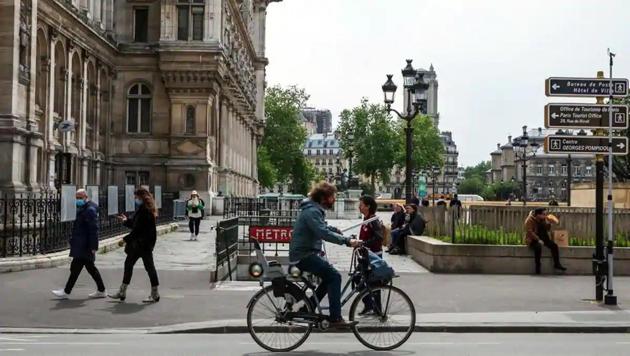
194, 209
537, 227
139, 244
83, 247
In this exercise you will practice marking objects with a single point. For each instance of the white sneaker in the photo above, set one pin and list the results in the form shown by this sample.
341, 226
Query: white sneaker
60, 294
192, 236
97, 294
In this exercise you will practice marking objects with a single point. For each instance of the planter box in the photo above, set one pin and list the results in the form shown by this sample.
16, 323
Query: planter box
442, 257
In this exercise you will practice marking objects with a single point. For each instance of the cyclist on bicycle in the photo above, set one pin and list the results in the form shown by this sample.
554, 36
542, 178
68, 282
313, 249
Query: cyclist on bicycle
306, 246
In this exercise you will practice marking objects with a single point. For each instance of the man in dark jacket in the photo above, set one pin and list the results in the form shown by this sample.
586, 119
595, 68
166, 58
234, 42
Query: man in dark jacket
309, 232
83, 247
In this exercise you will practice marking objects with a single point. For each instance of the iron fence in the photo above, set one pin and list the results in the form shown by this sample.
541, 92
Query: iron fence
262, 211
226, 244
30, 224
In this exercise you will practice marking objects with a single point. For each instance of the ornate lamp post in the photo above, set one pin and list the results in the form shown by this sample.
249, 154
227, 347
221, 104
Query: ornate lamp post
524, 151
415, 91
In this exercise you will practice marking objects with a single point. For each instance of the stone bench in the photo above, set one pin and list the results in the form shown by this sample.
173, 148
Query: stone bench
442, 257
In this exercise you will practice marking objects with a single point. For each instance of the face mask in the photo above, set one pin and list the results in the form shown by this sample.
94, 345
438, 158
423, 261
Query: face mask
138, 202
80, 203
407, 217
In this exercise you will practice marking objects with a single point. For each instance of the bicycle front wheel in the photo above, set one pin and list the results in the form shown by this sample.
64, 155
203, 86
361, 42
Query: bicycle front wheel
268, 325
391, 322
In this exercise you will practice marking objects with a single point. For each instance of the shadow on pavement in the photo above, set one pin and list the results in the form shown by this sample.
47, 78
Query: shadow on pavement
68, 304
317, 353
125, 308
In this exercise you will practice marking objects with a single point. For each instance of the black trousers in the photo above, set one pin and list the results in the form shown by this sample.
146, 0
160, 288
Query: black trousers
76, 266
537, 247
149, 266
193, 225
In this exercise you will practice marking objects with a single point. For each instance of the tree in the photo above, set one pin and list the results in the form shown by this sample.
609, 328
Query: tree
477, 171
501, 190
366, 133
427, 144
472, 185
283, 143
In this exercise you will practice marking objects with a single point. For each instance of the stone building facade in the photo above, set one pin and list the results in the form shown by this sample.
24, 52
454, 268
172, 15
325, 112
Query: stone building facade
154, 92
547, 174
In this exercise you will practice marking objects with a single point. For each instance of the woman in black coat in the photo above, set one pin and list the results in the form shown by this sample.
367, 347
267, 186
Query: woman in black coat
139, 243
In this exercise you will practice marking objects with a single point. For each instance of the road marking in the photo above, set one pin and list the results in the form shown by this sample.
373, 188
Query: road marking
11, 339
12, 350
60, 343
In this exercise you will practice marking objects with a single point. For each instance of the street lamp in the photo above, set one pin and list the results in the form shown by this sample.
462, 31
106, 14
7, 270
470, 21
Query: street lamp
350, 154
415, 89
524, 151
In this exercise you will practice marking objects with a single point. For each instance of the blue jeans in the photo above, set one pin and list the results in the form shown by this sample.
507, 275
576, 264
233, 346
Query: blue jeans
331, 282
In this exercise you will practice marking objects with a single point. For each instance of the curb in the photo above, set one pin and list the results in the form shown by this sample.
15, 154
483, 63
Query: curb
16, 264
230, 328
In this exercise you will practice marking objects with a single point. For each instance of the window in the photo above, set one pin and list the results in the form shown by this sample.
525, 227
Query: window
564, 170
139, 109
190, 120
539, 170
309, 152
552, 170
190, 20
141, 24
137, 178
577, 171
317, 152
589, 171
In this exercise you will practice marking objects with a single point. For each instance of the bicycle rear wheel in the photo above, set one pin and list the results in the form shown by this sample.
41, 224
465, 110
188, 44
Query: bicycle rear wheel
269, 328
390, 325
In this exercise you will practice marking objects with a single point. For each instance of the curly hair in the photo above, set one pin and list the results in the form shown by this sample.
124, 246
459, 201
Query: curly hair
147, 200
321, 191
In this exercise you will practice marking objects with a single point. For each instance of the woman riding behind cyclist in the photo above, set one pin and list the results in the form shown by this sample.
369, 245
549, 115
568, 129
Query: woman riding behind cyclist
372, 236
309, 231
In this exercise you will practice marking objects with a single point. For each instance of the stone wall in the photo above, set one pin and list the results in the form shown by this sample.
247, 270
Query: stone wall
442, 257
584, 195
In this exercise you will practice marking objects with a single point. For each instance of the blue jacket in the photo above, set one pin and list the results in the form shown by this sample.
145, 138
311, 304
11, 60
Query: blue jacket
309, 230
85, 232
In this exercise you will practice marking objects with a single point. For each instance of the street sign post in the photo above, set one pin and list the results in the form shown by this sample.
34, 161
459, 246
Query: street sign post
585, 144
585, 87
585, 116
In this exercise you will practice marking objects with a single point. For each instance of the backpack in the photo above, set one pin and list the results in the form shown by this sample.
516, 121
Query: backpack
387, 235
380, 271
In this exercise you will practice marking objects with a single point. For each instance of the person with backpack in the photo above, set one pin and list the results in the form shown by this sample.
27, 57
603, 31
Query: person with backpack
194, 211
372, 236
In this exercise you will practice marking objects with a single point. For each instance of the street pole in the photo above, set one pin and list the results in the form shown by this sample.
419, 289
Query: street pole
433, 176
569, 178
408, 163
599, 215
524, 179
610, 298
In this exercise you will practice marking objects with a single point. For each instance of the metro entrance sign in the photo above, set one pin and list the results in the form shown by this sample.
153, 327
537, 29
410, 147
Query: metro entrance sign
585, 144
585, 87
585, 116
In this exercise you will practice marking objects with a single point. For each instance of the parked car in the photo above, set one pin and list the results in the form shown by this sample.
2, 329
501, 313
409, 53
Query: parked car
469, 197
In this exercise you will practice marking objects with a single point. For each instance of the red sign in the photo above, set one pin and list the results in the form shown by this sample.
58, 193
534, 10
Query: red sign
280, 234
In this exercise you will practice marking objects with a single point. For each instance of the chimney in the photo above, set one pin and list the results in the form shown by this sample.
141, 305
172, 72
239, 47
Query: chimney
498, 146
540, 131
509, 139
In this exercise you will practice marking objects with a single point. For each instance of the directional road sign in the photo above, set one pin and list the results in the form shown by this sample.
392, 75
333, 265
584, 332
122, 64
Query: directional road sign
585, 116
585, 87
585, 144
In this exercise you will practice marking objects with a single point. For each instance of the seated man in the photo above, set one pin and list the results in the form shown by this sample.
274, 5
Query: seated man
537, 234
306, 245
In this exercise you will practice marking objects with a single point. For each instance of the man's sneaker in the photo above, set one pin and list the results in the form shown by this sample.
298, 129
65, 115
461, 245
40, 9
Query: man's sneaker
342, 324
97, 295
192, 236
60, 293
366, 311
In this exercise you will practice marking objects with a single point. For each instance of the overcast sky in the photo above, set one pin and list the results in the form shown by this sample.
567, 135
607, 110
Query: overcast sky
491, 56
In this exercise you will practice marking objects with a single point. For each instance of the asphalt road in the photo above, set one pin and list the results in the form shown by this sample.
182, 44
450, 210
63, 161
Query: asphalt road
316, 345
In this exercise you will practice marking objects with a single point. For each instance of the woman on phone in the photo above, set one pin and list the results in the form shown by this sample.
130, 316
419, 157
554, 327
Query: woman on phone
139, 243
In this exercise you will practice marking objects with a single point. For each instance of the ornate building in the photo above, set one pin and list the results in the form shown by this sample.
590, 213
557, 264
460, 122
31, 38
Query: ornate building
149, 92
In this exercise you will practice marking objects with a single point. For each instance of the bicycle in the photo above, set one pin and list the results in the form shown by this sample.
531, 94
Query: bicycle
281, 316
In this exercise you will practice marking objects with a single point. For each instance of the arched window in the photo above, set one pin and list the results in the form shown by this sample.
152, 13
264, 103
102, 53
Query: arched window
139, 109
190, 120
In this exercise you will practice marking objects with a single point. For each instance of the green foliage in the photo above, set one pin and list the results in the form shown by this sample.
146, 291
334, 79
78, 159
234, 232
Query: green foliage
282, 145
477, 171
501, 190
267, 175
427, 144
367, 134
472, 185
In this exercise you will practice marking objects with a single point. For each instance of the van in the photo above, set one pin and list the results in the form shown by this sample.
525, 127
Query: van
469, 197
